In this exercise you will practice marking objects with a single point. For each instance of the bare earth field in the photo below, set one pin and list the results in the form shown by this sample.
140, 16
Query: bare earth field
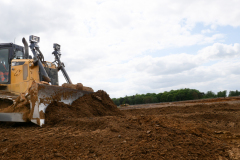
205, 129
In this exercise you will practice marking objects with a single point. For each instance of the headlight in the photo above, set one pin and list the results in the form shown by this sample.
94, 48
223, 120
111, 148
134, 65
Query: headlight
33, 38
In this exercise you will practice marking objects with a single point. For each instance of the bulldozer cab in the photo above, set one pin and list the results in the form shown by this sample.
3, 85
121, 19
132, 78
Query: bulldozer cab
8, 51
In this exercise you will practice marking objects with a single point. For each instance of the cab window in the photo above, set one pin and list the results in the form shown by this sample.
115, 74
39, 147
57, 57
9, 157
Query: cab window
4, 66
18, 55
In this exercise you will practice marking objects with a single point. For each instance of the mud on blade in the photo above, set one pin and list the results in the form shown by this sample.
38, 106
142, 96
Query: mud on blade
42, 95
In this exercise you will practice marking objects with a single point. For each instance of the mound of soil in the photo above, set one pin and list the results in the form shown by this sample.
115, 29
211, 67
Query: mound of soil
90, 105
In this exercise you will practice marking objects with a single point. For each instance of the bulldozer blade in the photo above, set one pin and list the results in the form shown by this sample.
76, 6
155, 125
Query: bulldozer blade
41, 95
12, 117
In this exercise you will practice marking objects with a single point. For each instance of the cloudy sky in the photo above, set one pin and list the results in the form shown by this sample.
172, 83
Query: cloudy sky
131, 46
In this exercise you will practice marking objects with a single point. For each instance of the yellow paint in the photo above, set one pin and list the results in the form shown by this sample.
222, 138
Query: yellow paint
18, 83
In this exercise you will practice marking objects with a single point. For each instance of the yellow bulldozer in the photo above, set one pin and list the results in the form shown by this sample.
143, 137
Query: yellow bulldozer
26, 79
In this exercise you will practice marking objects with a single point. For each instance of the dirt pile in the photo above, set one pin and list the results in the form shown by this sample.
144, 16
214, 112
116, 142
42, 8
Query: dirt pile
78, 86
90, 105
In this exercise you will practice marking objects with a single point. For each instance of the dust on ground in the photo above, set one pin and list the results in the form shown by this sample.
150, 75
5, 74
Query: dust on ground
93, 128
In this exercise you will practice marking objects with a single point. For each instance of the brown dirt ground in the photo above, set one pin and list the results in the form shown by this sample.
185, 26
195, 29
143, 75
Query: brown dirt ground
93, 128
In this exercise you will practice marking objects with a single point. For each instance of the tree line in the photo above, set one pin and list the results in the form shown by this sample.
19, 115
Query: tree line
173, 95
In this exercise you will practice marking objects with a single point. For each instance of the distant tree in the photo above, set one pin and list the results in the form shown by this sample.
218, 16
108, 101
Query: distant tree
169, 98
189, 94
133, 99
126, 100
138, 99
222, 93
159, 97
130, 101
164, 97
201, 95
234, 93
114, 100
155, 99
121, 100
147, 99
150, 94
210, 94
195, 95
117, 102
173, 95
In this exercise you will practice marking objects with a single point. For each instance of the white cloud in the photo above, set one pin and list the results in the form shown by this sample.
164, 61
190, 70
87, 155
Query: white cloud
219, 51
206, 31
